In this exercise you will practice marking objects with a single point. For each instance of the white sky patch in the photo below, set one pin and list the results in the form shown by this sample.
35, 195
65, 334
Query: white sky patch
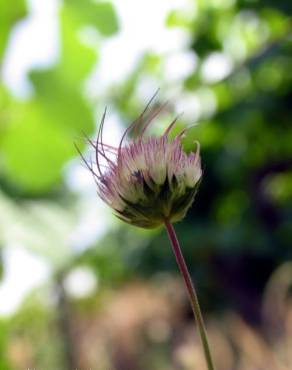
146, 86
180, 65
94, 218
81, 282
143, 25
95, 221
142, 29
216, 67
23, 271
190, 106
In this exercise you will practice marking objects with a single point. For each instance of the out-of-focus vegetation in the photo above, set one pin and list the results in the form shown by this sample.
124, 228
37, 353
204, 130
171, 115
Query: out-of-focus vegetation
237, 237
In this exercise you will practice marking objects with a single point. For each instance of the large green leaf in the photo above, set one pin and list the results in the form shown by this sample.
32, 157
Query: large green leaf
99, 14
10, 13
35, 148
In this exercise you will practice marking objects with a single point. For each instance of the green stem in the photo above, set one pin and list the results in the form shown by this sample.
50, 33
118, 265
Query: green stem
192, 293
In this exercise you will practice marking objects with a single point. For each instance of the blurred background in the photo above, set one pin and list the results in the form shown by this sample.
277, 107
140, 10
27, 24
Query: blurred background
81, 290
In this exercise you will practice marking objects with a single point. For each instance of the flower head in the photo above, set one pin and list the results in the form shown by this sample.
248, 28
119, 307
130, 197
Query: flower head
148, 180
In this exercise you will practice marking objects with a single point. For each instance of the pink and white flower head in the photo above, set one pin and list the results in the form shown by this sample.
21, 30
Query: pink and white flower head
148, 180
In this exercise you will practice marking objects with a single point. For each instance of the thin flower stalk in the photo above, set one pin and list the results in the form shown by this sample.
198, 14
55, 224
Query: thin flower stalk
191, 292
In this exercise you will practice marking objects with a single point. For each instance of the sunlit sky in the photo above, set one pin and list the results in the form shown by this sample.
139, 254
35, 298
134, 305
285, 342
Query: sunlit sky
34, 43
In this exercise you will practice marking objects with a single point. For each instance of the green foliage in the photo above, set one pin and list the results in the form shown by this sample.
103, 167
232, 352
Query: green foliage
99, 14
10, 13
44, 128
4, 333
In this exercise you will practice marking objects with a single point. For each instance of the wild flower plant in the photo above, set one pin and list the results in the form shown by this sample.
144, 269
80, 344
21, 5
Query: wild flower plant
151, 181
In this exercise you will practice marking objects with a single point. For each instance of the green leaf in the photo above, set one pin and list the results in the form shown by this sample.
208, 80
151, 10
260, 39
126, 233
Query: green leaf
99, 14
35, 148
61, 101
10, 13
76, 59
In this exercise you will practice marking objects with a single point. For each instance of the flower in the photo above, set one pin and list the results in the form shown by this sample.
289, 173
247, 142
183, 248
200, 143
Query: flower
149, 180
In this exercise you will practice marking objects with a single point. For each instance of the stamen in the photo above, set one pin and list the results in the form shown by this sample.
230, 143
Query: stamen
155, 114
101, 129
98, 151
89, 166
185, 129
110, 147
98, 141
138, 120
92, 143
89, 141
197, 154
169, 128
